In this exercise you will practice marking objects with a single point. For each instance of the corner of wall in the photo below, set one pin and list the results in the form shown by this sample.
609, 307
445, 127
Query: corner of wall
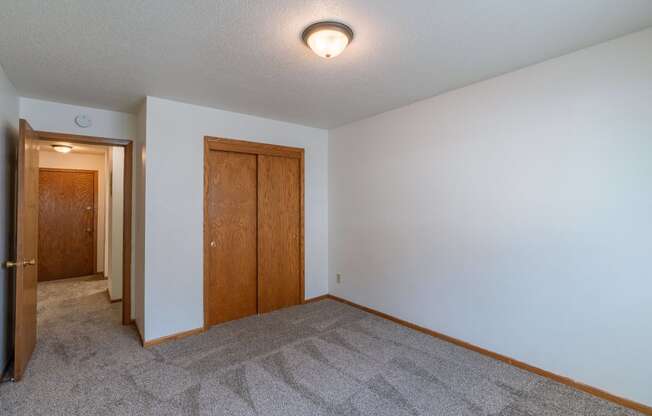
138, 230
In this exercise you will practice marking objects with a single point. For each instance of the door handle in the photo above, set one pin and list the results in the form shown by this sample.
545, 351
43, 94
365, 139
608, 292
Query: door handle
11, 264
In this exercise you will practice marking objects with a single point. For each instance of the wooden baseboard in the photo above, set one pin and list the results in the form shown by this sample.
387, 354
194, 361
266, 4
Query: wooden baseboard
196, 331
172, 337
516, 363
317, 299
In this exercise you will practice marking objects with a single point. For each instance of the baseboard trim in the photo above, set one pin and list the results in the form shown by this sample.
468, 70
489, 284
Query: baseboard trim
516, 363
196, 331
316, 299
173, 337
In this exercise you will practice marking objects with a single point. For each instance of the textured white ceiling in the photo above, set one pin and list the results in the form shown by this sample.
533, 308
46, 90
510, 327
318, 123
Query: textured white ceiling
246, 55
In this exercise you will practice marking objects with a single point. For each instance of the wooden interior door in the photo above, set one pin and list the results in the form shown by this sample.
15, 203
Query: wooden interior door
280, 257
67, 223
26, 248
230, 236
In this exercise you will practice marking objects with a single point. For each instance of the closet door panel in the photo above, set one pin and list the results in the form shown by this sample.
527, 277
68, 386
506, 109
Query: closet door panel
279, 232
230, 236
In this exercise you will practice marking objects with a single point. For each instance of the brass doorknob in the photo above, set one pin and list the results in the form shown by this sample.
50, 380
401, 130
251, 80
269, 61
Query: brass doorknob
31, 262
11, 264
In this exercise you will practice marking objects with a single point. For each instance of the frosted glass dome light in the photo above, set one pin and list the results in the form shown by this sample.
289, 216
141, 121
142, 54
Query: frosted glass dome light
62, 148
327, 39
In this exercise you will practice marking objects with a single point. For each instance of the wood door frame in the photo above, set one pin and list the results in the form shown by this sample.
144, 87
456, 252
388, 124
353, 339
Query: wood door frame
128, 147
95, 203
255, 148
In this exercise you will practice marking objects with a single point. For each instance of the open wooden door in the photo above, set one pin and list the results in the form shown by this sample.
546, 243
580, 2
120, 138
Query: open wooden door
27, 200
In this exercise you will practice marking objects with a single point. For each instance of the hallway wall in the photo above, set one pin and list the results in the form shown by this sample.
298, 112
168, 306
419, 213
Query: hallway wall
51, 159
8, 136
115, 200
59, 117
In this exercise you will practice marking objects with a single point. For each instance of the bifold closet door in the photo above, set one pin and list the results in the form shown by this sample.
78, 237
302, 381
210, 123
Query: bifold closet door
279, 232
231, 233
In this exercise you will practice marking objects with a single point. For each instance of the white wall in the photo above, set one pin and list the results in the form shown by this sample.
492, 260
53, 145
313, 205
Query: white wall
515, 214
174, 205
58, 117
8, 140
50, 159
115, 224
107, 212
138, 216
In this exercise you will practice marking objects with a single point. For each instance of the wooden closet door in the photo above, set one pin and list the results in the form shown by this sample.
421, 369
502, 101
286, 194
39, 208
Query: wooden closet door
67, 243
230, 236
279, 232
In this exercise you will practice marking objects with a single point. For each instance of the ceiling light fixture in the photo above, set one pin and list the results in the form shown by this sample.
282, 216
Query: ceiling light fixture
62, 148
327, 39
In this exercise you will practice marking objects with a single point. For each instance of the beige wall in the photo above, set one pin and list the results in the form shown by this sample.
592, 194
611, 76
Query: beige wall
50, 159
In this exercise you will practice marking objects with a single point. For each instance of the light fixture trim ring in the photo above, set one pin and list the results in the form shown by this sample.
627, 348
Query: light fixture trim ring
338, 26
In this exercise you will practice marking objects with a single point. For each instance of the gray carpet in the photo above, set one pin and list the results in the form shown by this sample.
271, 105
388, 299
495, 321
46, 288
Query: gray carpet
323, 358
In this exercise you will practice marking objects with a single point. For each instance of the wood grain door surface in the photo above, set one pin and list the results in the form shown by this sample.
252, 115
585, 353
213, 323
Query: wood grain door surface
27, 255
230, 221
279, 232
67, 218
253, 228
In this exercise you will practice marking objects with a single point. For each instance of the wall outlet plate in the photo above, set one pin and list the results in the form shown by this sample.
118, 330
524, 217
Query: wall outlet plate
339, 278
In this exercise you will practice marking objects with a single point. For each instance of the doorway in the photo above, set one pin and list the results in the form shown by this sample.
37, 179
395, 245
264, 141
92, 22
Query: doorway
125, 148
26, 259
253, 228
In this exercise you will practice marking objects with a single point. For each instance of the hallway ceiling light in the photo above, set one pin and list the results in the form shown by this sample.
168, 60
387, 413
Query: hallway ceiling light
327, 39
62, 148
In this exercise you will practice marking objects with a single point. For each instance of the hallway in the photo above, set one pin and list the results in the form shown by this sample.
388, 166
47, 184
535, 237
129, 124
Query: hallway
81, 346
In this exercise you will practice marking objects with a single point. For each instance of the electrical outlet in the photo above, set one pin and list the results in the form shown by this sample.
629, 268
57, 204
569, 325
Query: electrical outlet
339, 278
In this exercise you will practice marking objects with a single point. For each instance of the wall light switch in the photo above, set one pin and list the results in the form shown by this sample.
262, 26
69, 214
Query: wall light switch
339, 278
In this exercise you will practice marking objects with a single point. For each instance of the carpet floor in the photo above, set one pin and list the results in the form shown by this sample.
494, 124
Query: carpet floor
323, 358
